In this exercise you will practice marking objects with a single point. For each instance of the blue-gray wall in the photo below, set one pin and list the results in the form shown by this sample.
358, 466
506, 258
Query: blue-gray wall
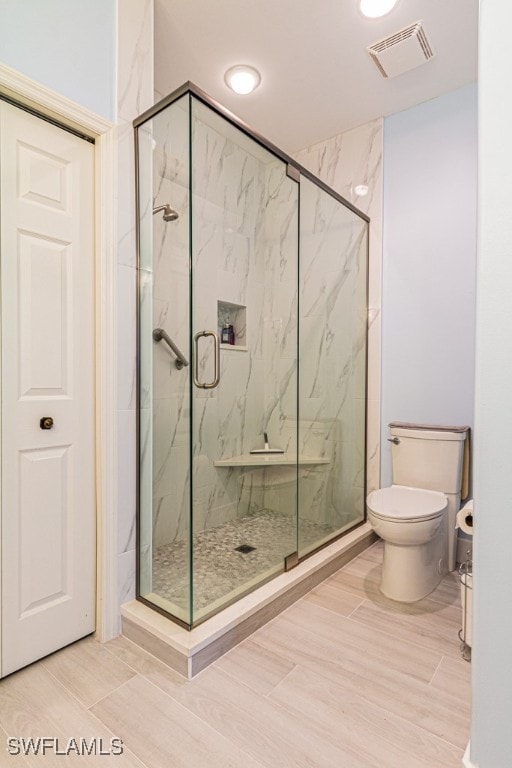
429, 262
67, 45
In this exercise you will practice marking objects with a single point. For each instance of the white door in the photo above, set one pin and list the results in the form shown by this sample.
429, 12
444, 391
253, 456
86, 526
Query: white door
47, 372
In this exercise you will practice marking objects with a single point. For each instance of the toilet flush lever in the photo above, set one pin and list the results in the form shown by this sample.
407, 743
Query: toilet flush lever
395, 440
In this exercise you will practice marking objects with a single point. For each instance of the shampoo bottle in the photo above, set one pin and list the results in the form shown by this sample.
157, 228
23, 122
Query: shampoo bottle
225, 334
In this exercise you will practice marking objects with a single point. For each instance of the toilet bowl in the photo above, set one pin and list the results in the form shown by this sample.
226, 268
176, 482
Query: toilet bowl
413, 523
415, 516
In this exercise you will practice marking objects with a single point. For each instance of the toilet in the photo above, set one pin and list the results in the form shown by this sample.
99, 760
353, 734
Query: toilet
415, 516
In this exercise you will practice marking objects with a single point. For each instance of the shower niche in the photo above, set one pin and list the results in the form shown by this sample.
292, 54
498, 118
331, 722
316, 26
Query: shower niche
232, 316
246, 461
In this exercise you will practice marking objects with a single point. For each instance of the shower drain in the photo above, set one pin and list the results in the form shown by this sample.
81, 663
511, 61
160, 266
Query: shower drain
245, 549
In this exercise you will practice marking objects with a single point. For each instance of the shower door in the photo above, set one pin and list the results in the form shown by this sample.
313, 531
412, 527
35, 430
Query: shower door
244, 247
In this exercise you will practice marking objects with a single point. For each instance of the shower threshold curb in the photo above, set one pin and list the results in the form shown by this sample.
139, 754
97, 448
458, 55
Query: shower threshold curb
188, 652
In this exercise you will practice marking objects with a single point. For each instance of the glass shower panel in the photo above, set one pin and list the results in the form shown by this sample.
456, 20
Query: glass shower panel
244, 289
332, 369
164, 383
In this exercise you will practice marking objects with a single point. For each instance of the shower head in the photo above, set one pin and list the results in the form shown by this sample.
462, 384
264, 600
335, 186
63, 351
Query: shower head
169, 213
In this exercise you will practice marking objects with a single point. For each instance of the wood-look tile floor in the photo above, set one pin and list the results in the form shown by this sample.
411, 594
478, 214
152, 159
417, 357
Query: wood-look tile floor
344, 678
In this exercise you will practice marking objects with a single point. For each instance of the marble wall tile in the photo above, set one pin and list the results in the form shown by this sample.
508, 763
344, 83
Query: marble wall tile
170, 452
253, 416
312, 378
348, 160
170, 251
254, 324
206, 440
313, 494
318, 437
238, 395
203, 471
315, 281
212, 151
252, 483
280, 492
134, 57
171, 515
167, 379
170, 132
207, 516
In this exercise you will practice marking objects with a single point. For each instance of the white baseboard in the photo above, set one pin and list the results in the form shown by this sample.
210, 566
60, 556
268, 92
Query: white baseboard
466, 762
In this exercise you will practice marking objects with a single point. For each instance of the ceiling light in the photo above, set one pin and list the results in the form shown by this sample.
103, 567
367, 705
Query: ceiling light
375, 8
242, 78
361, 190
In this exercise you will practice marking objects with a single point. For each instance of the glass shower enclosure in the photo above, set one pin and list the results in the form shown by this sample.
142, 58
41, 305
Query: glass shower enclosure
252, 336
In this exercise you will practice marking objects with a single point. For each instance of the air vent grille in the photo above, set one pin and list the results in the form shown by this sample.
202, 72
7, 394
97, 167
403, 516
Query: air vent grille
402, 51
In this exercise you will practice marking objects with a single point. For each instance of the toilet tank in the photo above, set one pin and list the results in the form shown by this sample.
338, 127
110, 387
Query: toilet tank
427, 458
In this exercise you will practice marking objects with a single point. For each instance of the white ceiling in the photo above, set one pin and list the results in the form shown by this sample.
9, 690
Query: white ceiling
317, 77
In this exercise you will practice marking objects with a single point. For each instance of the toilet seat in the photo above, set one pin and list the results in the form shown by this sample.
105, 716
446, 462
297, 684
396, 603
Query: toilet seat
399, 503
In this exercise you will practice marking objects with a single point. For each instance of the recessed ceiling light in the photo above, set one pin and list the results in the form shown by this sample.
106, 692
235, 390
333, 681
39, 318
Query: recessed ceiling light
375, 8
361, 190
242, 79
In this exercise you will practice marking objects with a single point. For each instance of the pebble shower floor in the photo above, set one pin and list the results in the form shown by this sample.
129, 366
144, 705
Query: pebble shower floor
219, 569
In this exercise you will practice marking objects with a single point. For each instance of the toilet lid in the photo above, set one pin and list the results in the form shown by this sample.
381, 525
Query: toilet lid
398, 502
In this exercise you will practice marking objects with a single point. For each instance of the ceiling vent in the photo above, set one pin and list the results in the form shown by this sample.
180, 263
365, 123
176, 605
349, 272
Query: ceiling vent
402, 51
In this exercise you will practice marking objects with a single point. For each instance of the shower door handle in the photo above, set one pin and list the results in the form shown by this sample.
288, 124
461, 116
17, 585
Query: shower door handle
216, 360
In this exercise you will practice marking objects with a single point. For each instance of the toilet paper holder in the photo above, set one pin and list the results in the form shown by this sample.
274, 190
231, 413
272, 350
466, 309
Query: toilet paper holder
464, 519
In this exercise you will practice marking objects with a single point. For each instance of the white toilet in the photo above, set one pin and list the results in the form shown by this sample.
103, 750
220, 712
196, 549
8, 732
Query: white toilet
416, 515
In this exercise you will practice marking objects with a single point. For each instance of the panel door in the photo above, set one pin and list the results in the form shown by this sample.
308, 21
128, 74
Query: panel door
48, 474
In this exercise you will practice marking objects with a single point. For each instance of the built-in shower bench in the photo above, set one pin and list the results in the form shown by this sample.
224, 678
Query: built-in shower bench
275, 460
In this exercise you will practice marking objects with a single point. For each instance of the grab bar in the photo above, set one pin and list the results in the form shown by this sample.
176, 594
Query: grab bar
181, 360
216, 360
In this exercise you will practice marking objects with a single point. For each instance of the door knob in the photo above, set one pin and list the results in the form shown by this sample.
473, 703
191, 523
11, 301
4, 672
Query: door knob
46, 422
